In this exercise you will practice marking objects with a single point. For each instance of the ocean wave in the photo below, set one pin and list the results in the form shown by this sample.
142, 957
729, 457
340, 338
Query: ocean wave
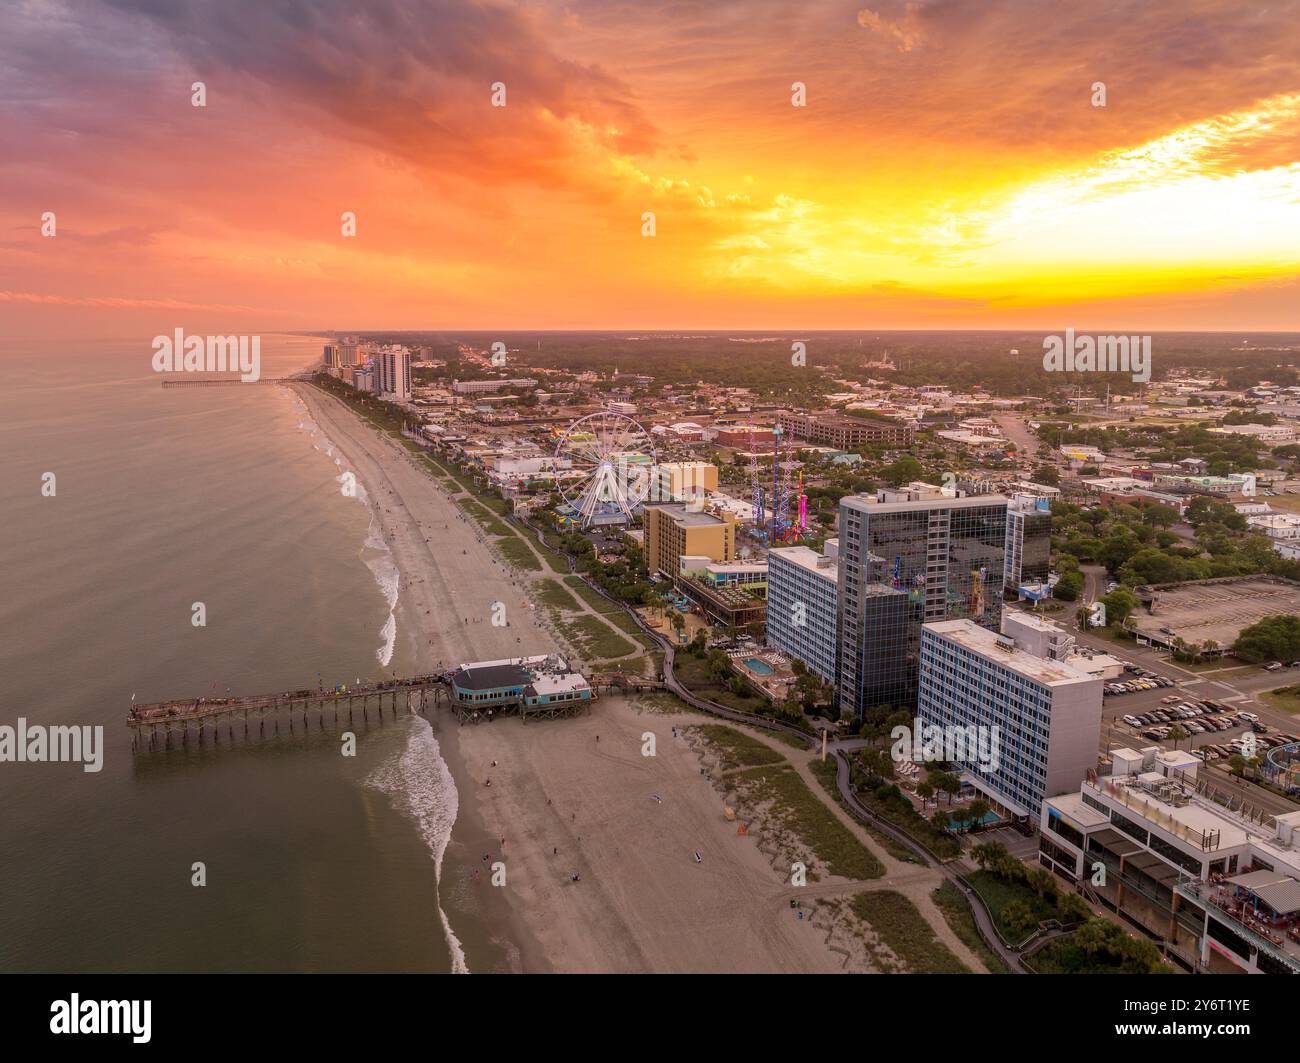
380, 562
419, 783
389, 578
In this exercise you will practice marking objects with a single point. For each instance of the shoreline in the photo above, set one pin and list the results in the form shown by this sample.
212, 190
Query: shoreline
430, 640
616, 859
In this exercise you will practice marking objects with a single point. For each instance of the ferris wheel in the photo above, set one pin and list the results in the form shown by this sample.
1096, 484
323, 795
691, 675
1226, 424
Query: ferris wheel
610, 459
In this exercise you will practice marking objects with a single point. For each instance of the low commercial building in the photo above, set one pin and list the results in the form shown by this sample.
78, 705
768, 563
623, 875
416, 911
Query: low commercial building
1078, 454
751, 575
741, 435
975, 440
1277, 526
728, 605
486, 387
1233, 484
545, 684
1220, 890
1265, 433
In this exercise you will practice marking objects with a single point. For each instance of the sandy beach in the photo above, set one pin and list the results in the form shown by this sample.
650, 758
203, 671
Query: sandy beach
579, 797
449, 578
576, 796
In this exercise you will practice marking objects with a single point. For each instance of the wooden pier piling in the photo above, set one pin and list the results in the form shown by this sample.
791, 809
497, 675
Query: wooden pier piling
150, 718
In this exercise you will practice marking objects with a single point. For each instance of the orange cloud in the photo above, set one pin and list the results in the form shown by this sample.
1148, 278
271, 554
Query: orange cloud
949, 164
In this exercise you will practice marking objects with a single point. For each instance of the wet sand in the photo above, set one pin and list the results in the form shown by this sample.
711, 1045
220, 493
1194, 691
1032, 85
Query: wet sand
628, 825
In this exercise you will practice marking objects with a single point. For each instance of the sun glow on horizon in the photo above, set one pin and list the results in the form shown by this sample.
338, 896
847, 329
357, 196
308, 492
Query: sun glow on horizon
948, 168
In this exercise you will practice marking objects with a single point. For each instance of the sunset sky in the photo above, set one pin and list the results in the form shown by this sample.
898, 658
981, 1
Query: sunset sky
948, 171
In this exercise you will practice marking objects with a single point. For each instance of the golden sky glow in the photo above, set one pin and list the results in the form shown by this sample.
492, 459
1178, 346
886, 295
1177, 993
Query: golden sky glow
949, 169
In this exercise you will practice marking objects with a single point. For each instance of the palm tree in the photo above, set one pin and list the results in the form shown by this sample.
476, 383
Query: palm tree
1073, 908
1093, 935
989, 854
1177, 734
1040, 880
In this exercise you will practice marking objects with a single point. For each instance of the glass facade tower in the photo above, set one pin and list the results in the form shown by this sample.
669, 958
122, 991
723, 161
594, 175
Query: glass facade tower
1029, 541
907, 558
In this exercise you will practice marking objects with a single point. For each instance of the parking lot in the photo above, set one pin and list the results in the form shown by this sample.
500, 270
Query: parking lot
1143, 707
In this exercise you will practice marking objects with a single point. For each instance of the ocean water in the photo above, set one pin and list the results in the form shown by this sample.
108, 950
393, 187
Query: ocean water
229, 497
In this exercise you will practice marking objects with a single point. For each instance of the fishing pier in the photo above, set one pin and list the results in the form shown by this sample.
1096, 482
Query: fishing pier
532, 688
165, 725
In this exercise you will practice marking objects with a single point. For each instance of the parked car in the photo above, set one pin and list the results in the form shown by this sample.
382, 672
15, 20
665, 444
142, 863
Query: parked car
1272, 666
1132, 721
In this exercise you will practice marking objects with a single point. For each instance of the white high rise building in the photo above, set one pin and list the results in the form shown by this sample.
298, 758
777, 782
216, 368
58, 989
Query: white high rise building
394, 372
802, 604
1047, 713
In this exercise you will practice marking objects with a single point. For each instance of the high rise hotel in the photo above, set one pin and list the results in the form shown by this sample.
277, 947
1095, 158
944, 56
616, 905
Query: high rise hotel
801, 605
908, 557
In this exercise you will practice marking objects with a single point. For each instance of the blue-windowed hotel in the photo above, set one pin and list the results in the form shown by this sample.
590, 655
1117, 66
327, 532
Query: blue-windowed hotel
802, 602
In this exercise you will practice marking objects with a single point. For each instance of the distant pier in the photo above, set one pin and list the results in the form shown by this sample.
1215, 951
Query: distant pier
165, 725
225, 382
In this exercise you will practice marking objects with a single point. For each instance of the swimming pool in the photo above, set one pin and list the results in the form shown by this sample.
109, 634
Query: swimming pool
758, 667
985, 820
